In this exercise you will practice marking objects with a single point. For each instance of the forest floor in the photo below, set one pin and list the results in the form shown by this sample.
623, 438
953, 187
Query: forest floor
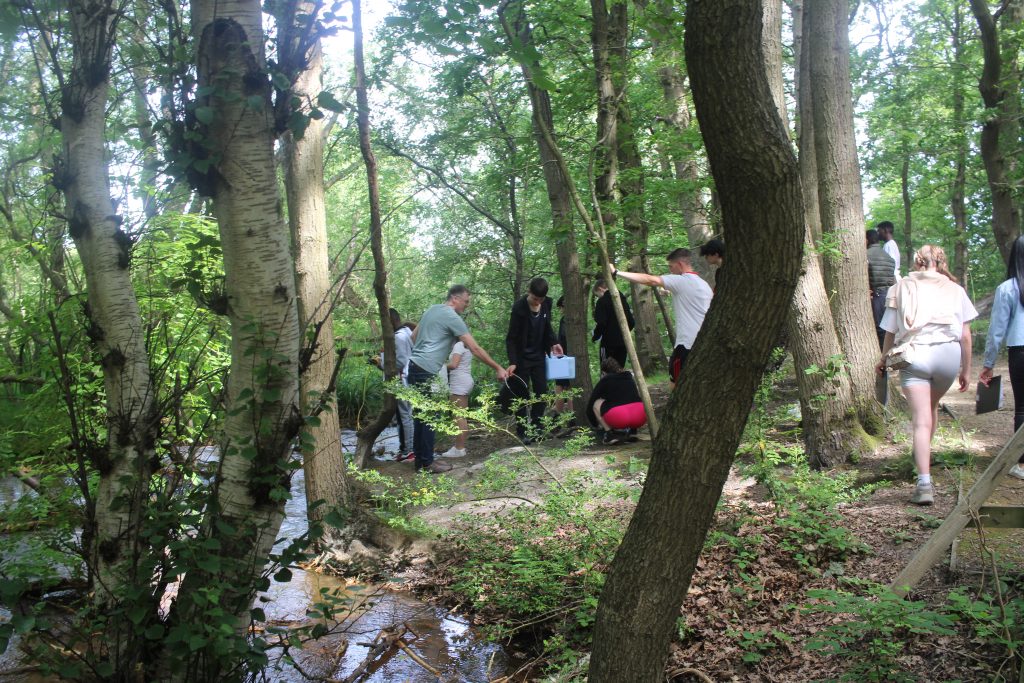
746, 615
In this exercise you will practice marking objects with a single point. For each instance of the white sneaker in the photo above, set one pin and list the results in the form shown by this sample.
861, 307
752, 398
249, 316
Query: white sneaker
1017, 471
454, 452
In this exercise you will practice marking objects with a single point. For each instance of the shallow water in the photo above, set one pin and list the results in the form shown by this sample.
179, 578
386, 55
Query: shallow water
443, 641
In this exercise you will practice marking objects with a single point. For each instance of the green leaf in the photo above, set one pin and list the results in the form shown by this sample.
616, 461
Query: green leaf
280, 81
328, 101
284, 575
155, 632
205, 115
298, 123
196, 641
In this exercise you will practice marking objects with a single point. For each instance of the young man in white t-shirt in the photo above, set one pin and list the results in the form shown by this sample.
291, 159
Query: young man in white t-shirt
691, 297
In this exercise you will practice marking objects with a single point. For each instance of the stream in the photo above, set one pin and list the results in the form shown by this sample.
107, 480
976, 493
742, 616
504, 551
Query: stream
444, 641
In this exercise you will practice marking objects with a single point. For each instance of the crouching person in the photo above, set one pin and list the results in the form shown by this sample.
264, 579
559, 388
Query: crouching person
615, 409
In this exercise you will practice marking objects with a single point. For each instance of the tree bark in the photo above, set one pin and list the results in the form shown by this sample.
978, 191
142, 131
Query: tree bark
116, 329
758, 179
958, 201
619, 152
1000, 85
908, 210
323, 461
559, 198
263, 416
826, 396
368, 434
665, 30
839, 194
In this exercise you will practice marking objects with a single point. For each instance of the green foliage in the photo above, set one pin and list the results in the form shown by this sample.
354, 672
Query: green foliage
756, 644
395, 500
811, 529
761, 419
873, 635
994, 619
542, 565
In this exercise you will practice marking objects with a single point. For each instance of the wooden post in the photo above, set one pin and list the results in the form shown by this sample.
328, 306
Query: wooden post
960, 517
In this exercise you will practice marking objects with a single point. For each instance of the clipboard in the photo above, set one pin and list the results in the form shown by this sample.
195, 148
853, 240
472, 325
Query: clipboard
989, 398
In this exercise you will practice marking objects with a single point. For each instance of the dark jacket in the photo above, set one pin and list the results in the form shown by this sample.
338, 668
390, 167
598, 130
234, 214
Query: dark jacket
606, 326
616, 389
881, 268
519, 333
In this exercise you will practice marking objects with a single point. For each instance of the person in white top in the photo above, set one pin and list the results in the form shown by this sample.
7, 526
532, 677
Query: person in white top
931, 312
691, 297
889, 246
460, 385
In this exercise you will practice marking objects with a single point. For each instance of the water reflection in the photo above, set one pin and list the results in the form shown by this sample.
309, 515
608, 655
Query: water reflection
443, 641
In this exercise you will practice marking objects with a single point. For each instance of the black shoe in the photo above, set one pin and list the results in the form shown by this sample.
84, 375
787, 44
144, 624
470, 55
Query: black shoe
614, 437
435, 468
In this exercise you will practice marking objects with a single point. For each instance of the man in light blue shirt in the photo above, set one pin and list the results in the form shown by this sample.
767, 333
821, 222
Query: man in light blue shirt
438, 330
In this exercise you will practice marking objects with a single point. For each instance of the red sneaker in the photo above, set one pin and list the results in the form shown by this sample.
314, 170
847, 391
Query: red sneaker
402, 458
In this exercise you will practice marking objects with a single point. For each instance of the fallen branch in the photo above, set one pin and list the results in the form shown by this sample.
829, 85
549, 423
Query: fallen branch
416, 658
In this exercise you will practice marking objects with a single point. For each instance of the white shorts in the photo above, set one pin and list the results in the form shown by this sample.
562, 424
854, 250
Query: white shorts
460, 386
934, 364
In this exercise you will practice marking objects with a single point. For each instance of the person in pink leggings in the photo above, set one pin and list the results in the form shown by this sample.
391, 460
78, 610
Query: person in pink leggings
615, 409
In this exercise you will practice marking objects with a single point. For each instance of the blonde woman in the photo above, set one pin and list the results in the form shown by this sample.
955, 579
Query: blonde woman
929, 310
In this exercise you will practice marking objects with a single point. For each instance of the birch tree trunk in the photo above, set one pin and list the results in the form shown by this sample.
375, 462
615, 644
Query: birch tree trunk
263, 415
115, 325
754, 167
323, 462
839, 194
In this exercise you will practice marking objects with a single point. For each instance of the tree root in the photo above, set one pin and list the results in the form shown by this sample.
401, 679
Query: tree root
676, 673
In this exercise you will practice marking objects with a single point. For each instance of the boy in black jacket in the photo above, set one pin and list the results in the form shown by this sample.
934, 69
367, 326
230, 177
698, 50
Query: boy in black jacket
606, 325
530, 337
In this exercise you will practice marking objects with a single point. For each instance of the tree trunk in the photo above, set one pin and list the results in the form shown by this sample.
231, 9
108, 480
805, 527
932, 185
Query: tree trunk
562, 226
650, 350
908, 210
839, 194
664, 29
368, 434
263, 415
958, 202
115, 324
826, 396
758, 179
618, 151
1000, 85
323, 461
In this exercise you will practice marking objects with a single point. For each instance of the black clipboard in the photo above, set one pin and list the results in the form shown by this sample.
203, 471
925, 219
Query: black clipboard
989, 398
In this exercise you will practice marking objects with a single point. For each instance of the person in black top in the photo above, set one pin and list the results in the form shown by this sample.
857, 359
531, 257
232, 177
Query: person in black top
606, 326
530, 337
615, 407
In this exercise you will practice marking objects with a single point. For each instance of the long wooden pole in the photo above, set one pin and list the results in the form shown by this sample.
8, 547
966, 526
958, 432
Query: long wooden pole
935, 547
